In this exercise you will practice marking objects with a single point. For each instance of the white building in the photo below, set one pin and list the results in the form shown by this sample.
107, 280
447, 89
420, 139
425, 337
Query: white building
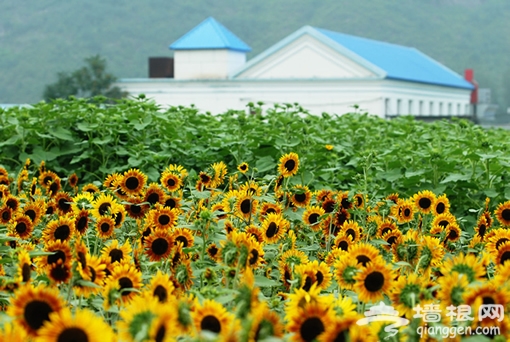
323, 71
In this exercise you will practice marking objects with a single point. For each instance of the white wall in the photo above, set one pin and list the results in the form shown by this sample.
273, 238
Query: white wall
207, 64
379, 97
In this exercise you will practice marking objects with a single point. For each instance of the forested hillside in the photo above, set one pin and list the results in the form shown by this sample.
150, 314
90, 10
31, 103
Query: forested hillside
40, 38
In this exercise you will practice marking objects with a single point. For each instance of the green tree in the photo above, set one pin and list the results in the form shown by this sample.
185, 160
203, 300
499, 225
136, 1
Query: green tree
88, 81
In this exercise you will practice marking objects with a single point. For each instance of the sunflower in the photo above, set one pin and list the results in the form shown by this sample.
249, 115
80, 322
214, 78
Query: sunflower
441, 205
165, 326
407, 294
301, 196
12, 332
467, 264
105, 227
132, 182
81, 221
163, 218
154, 194
359, 200
5, 214
251, 187
503, 254
34, 210
342, 242
424, 201
21, 226
211, 316
59, 272
486, 294
161, 287
60, 229
61, 252
114, 253
404, 211
496, 239
183, 236
312, 216
12, 202
93, 270
31, 306
407, 248
265, 323
308, 323
90, 188
314, 273
102, 205
47, 177
482, 227
444, 220
158, 245
345, 271
289, 164
24, 270
83, 326
503, 214
268, 208
373, 281
213, 252
124, 278
452, 287
246, 206
352, 229
51, 207
243, 167
171, 181
274, 227
364, 253
172, 202
254, 232
453, 232
431, 252
134, 208
72, 180
385, 226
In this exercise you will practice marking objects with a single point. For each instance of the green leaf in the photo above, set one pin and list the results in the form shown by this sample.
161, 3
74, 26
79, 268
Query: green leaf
265, 164
61, 133
262, 281
455, 177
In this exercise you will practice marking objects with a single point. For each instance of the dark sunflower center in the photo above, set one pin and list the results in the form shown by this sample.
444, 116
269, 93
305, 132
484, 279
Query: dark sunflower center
407, 212
350, 232
12, 203
210, 323
213, 250
272, 229
359, 201
161, 293
453, 234
50, 210
363, 259
345, 203
254, 256
36, 313
504, 257
290, 165
160, 334
82, 259
25, 272
31, 213
6, 215
63, 204
391, 240
170, 182
205, 178
153, 198
424, 203
246, 206
159, 246
308, 283
54, 187
92, 274
103, 208
270, 211
21, 227
481, 230
320, 277
313, 218
500, 242
125, 283
163, 219
132, 183
116, 255
340, 337
59, 272
62, 232
440, 208
183, 240
59, 255
374, 281
311, 328
47, 179
135, 208
300, 198
488, 300
105, 227
170, 203
506, 214
73, 334
82, 223
343, 245
328, 206
244, 167
385, 230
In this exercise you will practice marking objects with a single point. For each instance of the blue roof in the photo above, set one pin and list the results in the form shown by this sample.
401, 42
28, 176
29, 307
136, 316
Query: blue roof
399, 62
210, 34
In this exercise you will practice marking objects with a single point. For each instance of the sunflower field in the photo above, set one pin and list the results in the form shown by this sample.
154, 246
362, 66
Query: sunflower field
128, 222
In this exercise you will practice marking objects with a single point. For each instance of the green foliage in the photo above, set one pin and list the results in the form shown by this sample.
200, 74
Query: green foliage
88, 81
369, 154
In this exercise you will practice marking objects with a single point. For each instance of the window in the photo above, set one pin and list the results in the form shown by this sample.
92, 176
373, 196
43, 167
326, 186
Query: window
420, 108
399, 106
440, 108
387, 106
410, 107
450, 108
431, 108
458, 109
